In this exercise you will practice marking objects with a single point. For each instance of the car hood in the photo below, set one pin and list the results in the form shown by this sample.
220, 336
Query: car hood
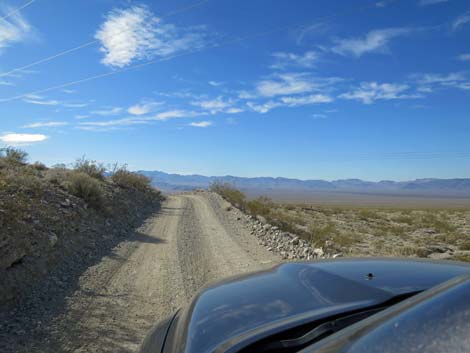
227, 316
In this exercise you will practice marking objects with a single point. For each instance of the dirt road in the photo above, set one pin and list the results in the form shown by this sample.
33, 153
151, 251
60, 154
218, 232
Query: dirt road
190, 242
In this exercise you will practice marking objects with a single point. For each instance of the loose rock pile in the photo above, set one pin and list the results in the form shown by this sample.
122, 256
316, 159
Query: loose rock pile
289, 246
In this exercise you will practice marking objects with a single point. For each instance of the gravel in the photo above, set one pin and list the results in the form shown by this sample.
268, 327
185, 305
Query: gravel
151, 272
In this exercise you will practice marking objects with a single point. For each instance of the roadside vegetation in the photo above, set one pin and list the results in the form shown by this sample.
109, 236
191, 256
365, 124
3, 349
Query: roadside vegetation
49, 215
433, 233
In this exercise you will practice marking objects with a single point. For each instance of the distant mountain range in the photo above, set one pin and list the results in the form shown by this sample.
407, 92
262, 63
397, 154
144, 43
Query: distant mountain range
176, 182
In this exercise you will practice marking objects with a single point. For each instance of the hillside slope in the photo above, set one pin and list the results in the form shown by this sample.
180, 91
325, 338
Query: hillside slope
55, 222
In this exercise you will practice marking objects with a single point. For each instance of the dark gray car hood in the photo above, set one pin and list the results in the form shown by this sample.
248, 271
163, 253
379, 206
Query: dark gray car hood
230, 315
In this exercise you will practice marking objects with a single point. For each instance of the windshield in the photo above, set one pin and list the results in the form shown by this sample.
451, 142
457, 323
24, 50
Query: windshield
149, 149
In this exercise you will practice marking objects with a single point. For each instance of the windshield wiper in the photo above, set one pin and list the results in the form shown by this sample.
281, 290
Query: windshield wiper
319, 332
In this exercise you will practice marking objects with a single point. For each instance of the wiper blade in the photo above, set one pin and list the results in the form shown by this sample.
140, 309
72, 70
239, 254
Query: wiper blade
319, 332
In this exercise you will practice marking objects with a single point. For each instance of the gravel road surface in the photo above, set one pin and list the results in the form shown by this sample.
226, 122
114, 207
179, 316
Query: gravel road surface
192, 241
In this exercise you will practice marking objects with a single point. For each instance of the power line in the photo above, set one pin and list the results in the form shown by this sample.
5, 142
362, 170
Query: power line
16, 10
217, 45
90, 43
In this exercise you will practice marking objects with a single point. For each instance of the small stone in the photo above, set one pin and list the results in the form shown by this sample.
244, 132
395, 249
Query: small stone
53, 239
318, 252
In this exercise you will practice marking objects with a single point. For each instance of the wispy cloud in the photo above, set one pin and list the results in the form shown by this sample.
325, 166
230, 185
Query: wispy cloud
143, 108
284, 60
136, 33
216, 105
374, 41
285, 84
201, 124
81, 116
22, 139
263, 107
177, 113
461, 21
114, 123
312, 30
75, 105
464, 57
431, 2
215, 83
429, 81
306, 100
38, 100
46, 124
369, 92
13, 29
107, 111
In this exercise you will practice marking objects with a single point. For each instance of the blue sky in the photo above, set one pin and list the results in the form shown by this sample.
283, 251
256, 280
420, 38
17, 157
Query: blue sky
307, 89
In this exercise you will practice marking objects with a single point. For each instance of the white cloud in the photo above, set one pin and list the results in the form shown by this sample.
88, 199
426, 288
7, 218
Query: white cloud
6, 83
13, 29
284, 60
234, 111
38, 100
458, 80
143, 108
81, 116
114, 123
46, 124
201, 124
461, 21
174, 114
75, 105
431, 2
264, 107
214, 106
215, 83
285, 84
464, 57
319, 116
306, 100
374, 41
107, 112
369, 92
21, 139
135, 34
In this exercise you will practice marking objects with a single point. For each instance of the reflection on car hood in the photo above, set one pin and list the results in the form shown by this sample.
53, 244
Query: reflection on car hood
232, 313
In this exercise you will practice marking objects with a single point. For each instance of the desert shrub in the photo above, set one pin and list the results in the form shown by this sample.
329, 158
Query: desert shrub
260, 206
367, 215
92, 168
126, 179
14, 155
86, 187
319, 234
403, 219
59, 166
465, 245
39, 166
464, 257
230, 193
441, 225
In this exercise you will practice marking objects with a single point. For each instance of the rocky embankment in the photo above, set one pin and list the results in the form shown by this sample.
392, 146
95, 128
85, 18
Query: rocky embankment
48, 236
287, 245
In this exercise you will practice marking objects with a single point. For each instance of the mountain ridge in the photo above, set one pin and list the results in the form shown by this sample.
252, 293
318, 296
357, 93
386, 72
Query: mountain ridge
178, 182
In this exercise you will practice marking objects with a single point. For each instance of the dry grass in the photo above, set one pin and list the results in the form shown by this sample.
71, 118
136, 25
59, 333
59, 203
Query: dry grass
366, 231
